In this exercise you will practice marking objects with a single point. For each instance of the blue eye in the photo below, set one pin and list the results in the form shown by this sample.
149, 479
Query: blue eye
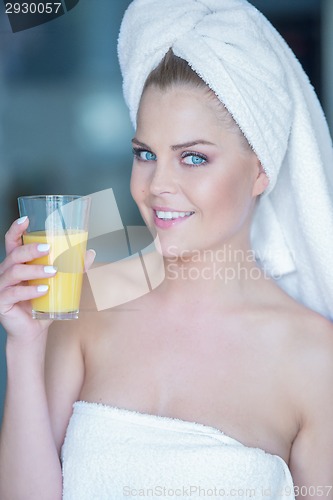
147, 155
194, 159
144, 155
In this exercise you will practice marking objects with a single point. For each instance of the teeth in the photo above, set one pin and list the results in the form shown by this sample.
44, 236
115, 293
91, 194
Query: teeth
172, 215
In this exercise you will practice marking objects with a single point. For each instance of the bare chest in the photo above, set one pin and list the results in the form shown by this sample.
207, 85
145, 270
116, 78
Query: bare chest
200, 373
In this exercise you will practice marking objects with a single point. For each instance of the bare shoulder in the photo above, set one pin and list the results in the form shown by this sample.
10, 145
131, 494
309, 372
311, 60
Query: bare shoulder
316, 357
308, 337
305, 334
309, 355
312, 338
301, 343
309, 373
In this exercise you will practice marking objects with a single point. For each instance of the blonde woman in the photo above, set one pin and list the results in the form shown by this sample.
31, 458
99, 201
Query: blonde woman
218, 382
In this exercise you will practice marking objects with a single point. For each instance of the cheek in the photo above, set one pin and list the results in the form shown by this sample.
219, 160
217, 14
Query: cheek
218, 192
227, 195
138, 185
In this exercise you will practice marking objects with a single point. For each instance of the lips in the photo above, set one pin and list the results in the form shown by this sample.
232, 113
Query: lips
165, 218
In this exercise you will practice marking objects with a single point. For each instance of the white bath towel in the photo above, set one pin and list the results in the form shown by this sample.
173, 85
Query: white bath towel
251, 69
111, 453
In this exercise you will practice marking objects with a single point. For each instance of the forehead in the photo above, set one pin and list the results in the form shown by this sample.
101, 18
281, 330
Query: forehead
180, 106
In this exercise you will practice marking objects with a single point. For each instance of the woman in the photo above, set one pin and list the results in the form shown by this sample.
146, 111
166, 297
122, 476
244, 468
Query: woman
217, 382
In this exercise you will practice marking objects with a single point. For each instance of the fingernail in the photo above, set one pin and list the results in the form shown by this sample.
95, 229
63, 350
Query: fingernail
91, 250
43, 247
50, 269
22, 219
42, 288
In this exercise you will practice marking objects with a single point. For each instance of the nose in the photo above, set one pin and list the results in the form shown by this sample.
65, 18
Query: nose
163, 179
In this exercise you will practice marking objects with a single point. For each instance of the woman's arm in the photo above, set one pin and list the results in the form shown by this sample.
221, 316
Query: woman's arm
38, 399
311, 460
44, 379
29, 463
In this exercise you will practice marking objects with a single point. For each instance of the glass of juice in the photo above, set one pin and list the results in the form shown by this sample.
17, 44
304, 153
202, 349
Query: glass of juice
62, 222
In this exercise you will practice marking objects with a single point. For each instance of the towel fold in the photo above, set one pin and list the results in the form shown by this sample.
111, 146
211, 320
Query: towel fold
111, 453
248, 65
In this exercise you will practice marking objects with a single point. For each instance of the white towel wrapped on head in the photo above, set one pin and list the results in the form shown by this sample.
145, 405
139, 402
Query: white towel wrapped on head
243, 59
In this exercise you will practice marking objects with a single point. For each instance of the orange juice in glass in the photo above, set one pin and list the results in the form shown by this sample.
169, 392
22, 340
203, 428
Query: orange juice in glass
62, 222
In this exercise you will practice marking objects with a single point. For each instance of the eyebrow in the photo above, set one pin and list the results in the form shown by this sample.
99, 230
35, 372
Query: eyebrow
176, 146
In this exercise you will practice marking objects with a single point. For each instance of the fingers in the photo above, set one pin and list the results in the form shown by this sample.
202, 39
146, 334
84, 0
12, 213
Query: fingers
14, 234
13, 291
21, 272
12, 295
24, 253
14, 271
90, 257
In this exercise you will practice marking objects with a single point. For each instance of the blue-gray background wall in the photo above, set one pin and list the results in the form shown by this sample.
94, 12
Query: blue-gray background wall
64, 127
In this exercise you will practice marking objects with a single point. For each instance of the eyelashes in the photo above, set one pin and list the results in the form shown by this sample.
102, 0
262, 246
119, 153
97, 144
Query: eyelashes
198, 159
143, 154
190, 158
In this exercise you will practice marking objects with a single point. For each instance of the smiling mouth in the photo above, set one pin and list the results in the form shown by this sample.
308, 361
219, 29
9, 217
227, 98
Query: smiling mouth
171, 215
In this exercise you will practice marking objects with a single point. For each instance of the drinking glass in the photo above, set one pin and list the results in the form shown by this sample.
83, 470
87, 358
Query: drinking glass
62, 222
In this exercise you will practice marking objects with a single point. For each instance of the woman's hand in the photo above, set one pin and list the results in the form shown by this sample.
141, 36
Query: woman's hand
15, 293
